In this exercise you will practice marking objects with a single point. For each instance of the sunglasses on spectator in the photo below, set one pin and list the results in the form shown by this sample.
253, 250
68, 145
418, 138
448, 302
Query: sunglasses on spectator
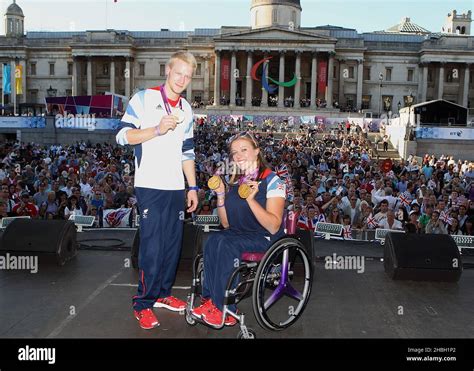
244, 134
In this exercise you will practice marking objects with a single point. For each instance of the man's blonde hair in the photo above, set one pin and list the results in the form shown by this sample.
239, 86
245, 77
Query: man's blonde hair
186, 57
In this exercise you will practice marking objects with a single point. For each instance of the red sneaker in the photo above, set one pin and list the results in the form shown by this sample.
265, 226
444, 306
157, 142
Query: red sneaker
213, 317
146, 318
203, 308
170, 303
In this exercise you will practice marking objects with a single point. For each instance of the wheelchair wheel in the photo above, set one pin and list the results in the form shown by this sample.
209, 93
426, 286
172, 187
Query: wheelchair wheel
282, 285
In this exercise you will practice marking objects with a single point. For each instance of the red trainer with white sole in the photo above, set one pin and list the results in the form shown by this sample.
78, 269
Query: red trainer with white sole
170, 303
146, 318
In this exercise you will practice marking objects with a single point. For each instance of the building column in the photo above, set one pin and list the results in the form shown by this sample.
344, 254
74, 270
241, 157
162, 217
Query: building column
112, 76
128, 78
441, 81
341, 82
189, 92
206, 80
360, 79
217, 81
314, 80
74, 77
465, 94
298, 82
264, 91
233, 78
281, 77
89, 76
249, 81
330, 72
424, 84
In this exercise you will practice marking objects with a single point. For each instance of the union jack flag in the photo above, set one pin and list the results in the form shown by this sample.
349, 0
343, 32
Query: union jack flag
405, 198
282, 171
347, 232
303, 222
371, 222
444, 216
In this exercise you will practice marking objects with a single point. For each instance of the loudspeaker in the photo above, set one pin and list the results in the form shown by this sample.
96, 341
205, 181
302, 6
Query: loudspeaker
48, 238
422, 257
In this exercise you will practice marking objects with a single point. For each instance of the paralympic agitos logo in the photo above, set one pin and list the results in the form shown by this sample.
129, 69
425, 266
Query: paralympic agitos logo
265, 79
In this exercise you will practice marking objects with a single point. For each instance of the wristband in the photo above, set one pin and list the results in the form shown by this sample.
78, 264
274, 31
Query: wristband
221, 205
157, 130
220, 194
194, 188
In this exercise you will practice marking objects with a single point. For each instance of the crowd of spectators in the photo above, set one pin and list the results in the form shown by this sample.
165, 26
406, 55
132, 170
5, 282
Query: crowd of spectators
331, 176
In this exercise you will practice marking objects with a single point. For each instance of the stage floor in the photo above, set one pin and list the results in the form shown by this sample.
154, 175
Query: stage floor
90, 297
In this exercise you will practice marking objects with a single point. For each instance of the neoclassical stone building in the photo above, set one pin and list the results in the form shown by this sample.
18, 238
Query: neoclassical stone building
327, 64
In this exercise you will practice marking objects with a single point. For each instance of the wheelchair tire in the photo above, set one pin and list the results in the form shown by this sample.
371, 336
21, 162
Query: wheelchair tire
264, 278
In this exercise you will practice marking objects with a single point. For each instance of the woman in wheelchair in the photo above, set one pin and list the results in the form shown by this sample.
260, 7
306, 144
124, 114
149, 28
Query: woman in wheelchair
252, 224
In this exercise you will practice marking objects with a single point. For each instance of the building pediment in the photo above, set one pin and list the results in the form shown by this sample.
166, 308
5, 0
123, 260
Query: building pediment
274, 33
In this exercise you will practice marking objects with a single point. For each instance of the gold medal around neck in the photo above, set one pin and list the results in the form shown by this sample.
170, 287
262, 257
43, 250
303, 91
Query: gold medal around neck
214, 182
244, 191
178, 115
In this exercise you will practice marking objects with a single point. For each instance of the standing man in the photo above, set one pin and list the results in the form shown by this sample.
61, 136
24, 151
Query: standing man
159, 124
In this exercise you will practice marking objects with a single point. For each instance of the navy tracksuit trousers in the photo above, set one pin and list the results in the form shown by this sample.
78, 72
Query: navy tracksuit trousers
161, 233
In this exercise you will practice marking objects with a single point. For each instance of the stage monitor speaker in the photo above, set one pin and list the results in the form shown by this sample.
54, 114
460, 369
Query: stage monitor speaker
45, 238
422, 257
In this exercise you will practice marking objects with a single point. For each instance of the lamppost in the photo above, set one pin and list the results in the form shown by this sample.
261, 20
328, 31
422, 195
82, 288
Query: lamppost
380, 92
51, 92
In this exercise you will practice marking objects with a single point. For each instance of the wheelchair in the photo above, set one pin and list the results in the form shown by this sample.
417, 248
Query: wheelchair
278, 281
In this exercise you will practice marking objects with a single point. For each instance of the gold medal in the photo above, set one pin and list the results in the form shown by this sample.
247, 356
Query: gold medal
244, 191
178, 115
214, 182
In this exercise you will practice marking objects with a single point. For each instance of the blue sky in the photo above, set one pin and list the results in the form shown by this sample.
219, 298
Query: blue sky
149, 15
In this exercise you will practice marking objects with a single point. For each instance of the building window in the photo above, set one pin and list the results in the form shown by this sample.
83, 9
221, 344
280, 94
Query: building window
162, 70
388, 74
351, 72
334, 73
293, 17
10, 26
387, 102
275, 16
367, 74
33, 69
199, 69
69, 69
430, 75
33, 96
366, 101
105, 69
141, 69
450, 76
68, 92
410, 74
51, 69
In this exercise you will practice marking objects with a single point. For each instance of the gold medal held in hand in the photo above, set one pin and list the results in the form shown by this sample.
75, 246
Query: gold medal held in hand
244, 191
214, 182
178, 115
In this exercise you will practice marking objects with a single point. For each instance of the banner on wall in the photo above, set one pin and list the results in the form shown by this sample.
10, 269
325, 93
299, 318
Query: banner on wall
23, 122
225, 76
19, 79
322, 76
444, 133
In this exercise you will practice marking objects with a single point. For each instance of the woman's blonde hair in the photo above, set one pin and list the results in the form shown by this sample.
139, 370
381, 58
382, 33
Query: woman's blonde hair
186, 57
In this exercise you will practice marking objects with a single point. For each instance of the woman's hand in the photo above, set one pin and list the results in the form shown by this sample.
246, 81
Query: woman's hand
221, 188
254, 187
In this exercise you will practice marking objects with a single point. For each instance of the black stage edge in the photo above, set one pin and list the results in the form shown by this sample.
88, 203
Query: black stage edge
384, 352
